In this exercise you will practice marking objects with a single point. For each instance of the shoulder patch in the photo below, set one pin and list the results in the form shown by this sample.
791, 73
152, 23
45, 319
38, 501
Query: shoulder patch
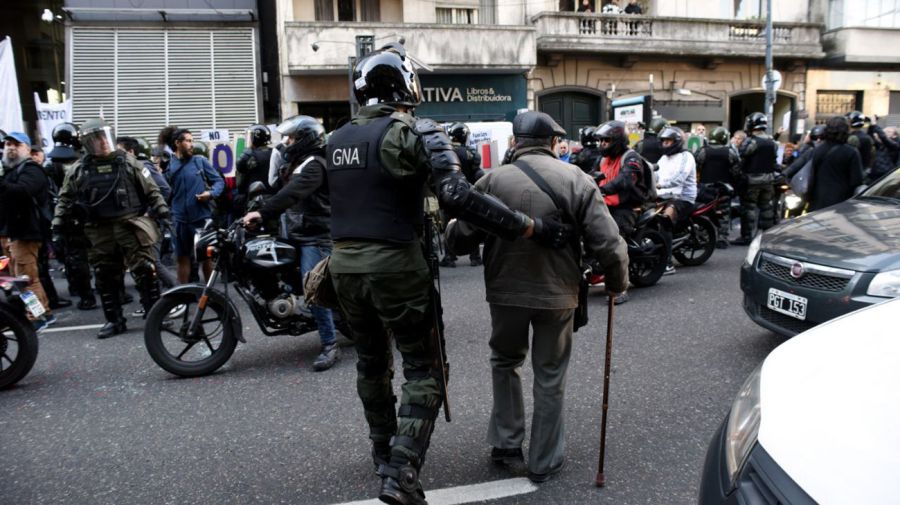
145, 172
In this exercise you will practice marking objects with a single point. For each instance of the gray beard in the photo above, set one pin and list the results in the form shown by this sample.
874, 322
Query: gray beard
9, 162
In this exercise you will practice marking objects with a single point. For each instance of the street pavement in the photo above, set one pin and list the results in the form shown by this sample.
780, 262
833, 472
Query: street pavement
97, 422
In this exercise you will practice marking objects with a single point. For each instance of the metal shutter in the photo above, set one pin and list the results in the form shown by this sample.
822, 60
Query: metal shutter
207, 81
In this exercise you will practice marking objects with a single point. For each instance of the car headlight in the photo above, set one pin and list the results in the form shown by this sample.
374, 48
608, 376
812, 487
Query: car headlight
753, 249
743, 425
885, 284
793, 202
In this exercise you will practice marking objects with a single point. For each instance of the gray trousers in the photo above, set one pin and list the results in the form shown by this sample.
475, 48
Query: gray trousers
551, 347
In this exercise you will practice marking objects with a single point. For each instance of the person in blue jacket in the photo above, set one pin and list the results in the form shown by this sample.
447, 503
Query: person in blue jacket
195, 184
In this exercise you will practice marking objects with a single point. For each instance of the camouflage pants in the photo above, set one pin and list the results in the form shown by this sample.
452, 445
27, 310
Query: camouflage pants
757, 209
380, 307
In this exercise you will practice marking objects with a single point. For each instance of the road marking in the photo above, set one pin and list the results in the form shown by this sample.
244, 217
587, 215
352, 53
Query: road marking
470, 493
60, 329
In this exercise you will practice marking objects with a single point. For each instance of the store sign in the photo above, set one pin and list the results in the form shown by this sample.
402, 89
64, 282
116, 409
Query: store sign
632, 110
629, 113
459, 97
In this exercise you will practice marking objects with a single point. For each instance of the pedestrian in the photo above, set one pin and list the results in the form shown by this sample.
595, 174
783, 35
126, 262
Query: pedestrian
887, 147
37, 155
72, 245
24, 216
586, 6
633, 8
44, 268
195, 183
531, 288
253, 165
757, 186
378, 167
110, 191
562, 150
306, 195
837, 167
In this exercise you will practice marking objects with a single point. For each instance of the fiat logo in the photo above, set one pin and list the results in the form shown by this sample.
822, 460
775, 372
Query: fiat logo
797, 270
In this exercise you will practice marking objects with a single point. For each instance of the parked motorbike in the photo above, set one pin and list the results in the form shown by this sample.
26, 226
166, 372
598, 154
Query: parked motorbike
18, 340
193, 329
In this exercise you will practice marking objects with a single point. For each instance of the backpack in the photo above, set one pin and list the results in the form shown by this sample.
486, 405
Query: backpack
647, 186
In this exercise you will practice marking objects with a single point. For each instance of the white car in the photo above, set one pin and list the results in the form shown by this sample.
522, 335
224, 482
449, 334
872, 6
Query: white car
818, 422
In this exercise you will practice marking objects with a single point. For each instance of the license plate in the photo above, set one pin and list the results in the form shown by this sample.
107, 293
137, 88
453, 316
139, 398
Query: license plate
33, 304
787, 303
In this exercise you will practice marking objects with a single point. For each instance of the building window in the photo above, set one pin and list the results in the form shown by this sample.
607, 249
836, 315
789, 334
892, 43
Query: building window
836, 103
348, 10
456, 16
324, 10
863, 13
487, 10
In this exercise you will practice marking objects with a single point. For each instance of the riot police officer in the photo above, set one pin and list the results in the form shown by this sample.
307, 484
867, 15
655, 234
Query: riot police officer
861, 140
379, 271
73, 244
253, 165
111, 191
718, 162
758, 156
470, 164
649, 147
588, 159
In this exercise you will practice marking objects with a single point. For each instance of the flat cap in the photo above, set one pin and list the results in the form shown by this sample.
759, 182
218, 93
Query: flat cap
534, 124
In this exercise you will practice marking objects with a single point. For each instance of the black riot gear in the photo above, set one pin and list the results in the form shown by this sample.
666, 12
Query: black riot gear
720, 136
674, 134
817, 132
756, 121
856, 118
259, 135
656, 125
612, 139
586, 136
97, 138
106, 191
386, 76
459, 133
307, 133
65, 142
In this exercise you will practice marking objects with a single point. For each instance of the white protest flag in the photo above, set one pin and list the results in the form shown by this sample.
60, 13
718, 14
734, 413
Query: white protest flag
50, 115
10, 108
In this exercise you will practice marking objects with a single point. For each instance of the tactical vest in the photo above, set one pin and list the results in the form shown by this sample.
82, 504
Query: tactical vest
108, 190
717, 166
651, 149
763, 160
366, 202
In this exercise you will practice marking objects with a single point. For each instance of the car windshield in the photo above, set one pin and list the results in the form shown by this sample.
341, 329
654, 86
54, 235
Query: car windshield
886, 187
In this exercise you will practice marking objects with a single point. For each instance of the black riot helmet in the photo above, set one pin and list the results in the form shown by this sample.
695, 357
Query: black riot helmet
817, 132
656, 125
259, 135
676, 135
756, 121
387, 76
720, 136
586, 136
143, 148
307, 135
65, 142
856, 118
612, 138
459, 133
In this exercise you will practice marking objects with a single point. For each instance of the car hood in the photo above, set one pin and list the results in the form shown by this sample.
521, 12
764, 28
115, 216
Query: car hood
860, 235
830, 407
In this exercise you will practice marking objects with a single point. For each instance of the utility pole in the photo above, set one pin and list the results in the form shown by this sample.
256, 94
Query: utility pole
770, 79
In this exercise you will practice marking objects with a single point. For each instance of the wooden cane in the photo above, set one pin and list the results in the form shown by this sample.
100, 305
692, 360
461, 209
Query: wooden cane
601, 475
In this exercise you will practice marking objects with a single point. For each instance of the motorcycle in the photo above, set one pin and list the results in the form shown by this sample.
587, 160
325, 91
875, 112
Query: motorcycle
18, 340
694, 238
193, 329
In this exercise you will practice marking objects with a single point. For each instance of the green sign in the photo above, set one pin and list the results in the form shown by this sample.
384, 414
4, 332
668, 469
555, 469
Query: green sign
473, 97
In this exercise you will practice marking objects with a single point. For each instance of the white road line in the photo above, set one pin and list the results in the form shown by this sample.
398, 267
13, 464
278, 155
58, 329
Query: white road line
471, 493
60, 329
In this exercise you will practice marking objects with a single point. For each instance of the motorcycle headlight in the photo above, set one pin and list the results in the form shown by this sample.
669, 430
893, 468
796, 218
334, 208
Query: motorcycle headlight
886, 284
793, 202
743, 426
753, 249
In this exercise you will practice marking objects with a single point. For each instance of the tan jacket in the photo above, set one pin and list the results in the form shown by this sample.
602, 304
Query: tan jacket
522, 273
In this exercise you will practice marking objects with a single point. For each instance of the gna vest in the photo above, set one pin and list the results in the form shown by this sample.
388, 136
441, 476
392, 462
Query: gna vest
763, 160
651, 149
107, 190
717, 167
366, 202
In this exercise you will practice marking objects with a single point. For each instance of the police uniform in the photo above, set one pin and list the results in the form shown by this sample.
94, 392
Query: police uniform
111, 195
650, 148
252, 166
758, 155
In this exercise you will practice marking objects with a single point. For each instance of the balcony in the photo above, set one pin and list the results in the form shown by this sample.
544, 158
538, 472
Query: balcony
569, 32
448, 48
862, 46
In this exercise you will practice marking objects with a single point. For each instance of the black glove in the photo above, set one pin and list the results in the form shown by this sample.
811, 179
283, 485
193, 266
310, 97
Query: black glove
56, 238
551, 232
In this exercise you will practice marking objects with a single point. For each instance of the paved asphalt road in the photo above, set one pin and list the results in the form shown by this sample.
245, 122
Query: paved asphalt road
97, 422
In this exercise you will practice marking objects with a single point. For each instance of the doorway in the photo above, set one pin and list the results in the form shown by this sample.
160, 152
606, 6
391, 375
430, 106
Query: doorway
573, 110
332, 115
742, 105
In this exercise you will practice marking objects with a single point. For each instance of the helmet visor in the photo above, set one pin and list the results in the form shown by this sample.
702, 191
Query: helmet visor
98, 141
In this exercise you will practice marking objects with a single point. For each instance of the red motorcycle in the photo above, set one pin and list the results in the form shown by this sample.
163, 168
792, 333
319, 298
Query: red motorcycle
694, 239
18, 340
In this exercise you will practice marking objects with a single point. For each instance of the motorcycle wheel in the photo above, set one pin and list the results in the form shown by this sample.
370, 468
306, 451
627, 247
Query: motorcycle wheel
700, 245
18, 347
647, 262
168, 343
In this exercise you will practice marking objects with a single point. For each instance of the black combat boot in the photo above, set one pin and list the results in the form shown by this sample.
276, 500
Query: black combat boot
112, 310
401, 486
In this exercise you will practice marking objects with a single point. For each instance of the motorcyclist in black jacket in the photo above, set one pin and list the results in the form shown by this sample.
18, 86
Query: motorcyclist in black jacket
253, 165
